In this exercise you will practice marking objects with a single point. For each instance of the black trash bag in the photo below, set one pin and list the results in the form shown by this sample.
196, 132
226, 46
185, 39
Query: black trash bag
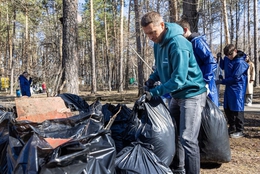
213, 137
5, 118
138, 158
120, 123
24, 146
95, 153
14, 148
154, 127
32, 156
74, 102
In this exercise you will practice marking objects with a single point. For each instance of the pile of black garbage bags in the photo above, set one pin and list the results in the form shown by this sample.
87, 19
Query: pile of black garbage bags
140, 140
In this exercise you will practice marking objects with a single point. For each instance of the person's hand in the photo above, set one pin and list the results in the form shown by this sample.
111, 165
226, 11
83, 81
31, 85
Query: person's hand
30, 78
220, 77
207, 86
218, 82
219, 55
149, 83
148, 95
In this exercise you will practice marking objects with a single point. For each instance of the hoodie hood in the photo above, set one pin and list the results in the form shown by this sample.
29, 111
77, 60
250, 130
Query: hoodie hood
173, 30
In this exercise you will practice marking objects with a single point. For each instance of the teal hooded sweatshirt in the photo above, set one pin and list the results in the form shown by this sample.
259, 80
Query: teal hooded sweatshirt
176, 66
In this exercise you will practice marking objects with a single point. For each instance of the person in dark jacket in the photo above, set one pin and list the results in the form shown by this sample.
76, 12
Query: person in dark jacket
204, 58
235, 70
181, 77
25, 84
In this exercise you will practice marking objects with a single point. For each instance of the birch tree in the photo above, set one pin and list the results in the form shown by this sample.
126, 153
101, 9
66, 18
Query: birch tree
120, 88
225, 20
93, 59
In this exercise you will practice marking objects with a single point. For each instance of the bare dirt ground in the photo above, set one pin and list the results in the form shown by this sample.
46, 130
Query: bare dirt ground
245, 152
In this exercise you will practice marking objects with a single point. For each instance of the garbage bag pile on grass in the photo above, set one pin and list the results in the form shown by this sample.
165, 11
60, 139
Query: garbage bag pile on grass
140, 140
88, 148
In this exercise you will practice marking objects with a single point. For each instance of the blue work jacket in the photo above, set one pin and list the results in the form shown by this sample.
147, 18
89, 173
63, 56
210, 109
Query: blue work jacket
206, 62
25, 86
235, 81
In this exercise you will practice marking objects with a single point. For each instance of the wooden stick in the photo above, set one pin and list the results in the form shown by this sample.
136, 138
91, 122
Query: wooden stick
111, 121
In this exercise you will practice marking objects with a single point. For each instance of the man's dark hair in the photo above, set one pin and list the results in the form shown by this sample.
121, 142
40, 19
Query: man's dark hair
151, 17
228, 50
184, 23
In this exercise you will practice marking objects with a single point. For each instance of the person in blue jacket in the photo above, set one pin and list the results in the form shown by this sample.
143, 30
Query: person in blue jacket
181, 77
25, 84
235, 70
205, 59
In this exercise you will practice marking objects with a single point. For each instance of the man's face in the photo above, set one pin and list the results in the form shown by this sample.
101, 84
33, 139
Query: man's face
247, 59
25, 75
154, 32
232, 54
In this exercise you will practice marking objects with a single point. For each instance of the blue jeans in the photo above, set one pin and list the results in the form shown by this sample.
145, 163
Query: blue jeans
187, 115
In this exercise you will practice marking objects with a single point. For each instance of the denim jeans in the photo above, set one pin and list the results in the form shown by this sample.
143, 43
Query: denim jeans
187, 115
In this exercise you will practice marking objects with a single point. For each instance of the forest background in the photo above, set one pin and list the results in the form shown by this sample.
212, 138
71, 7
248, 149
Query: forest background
99, 45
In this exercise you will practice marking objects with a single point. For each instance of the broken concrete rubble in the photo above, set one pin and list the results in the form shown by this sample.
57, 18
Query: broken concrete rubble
41, 109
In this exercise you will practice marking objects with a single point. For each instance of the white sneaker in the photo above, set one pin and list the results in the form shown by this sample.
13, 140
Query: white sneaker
249, 104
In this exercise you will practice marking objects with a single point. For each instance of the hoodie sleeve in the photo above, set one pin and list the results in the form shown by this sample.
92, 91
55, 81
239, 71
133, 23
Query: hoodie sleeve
178, 76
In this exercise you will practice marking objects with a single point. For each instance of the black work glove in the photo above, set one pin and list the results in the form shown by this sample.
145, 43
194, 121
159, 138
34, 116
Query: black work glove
30, 78
148, 95
218, 82
219, 55
220, 77
149, 83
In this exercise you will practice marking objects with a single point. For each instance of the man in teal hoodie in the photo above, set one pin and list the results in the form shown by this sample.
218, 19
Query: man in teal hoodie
180, 76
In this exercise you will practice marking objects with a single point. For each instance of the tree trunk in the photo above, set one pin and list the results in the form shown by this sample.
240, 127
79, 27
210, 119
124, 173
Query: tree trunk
248, 29
138, 46
232, 28
225, 20
256, 55
244, 27
210, 25
70, 54
127, 77
26, 57
237, 25
173, 10
106, 51
221, 31
190, 12
120, 88
93, 59
11, 56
